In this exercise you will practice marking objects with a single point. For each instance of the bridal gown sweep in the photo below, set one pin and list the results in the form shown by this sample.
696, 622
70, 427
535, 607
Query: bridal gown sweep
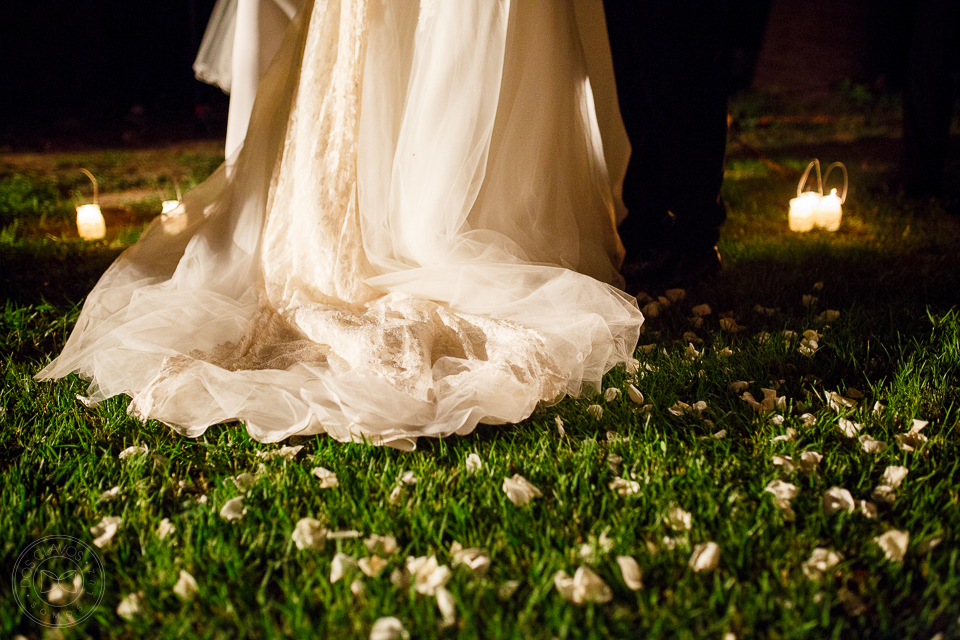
417, 234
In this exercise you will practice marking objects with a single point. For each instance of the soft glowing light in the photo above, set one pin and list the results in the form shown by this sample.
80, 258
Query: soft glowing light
90, 222
169, 205
813, 209
828, 212
801, 211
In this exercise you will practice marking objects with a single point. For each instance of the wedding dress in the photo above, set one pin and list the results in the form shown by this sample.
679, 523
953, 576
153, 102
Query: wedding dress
417, 234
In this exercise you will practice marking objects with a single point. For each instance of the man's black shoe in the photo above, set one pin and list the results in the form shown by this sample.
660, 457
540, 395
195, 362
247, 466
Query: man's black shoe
658, 269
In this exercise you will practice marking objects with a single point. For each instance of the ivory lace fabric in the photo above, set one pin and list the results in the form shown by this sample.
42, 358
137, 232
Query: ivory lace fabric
417, 235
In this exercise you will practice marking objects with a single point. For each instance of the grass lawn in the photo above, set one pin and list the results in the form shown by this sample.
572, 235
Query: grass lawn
690, 473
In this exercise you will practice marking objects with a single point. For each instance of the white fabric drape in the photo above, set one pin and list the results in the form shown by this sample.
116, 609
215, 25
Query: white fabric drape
418, 235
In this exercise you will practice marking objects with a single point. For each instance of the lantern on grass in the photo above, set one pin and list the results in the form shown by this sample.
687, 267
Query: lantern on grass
813, 209
172, 215
169, 205
90, 222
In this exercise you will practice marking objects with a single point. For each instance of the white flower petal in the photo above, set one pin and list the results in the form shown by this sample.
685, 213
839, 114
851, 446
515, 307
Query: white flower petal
476, 559
388, 628
165, 528
675, 295
867, 509
358, 589
129, 606
563, 583
849, 427
339, 566
701, 310
474, 463
705, 557
343, 535
787, 437
809, 461
837, 499
928, 544
785, 463
396, 496
408, 477
447, 606
630, 571
285, 452
186, 587
894, 544
678, 519
808, 419
783, 493
233, 509
632, 365
133, 451
739, 386
589, 587
838, 403
428, 575
871, 445
506, 590
893, 476
884, 493
820, 561
519, 490
309, 533
611, 394
624, 487
596, 411
109, 495
105, 530
328, 479
372, 566
719, 435
560, 429
386, 545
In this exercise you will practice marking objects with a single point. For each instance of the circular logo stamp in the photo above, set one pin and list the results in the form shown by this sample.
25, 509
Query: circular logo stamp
58, 581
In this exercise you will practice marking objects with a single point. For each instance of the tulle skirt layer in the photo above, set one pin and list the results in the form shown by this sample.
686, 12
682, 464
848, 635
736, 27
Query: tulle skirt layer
418, 235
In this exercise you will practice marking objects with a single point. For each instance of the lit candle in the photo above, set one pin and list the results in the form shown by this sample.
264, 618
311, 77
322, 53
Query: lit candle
828, 212
169, 205
90, 223
802, 211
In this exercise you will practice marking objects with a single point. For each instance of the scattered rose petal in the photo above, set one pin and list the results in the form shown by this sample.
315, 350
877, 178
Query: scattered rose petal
867, 509
675, 295
129, 606
519, 490
729, 324
584, 586
625, 487
396, 496
695, 322
691, 352
878, 408
358, 589
893, 476
705, 557
388, 628
428, 575
243, 482
785, 463
809, 461
632, 365
809, 300
838, 403
109, 495
339, 566
870, 445
328, 479
849, 427
560, 429
233, 509
913, 439
719, 435
408, 477
616, 438
678, 519
630, 571
133, 451
596, 411
165, 528
648, 348
808, 419
726, 352
777, 420
928, 544
783, 493
819, 562
372, 566
474, 463
837, 499
611, 394
105, 530
739, 386
186, 587
309, 533
447, 606
386, 545
288, 453
476, 559
701, 310
787, 437
884, 493
614, 463
343, 535
506, 590
563, 583
894, 544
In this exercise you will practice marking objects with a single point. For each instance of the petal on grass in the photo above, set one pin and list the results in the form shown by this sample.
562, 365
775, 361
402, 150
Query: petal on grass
849, 427
233, 509
701, 310
519, 490
819, 562
611, 394
785, 463
105, 530
388, 628
165, 528
809, 461
133, 451
893, 476
476, 559
871, 445
339, 566
596, 411
309, 533
624, 487
705, 557
447, 606
372, 566
474, 463
186, 587
837, 499
635, 396
630, 571
129, 606
506, 590
109, 495
678, 519
894, 544
386, 545
285, 452
328, 479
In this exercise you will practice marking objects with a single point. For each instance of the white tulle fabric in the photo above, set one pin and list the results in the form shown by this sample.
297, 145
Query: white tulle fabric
418, 235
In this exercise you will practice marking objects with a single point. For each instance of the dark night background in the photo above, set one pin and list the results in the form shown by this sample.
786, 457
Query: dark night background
97, 73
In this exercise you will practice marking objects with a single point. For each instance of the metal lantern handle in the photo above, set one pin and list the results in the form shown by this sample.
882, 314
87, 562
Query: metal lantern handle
96, 199
803, 181
846, 179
